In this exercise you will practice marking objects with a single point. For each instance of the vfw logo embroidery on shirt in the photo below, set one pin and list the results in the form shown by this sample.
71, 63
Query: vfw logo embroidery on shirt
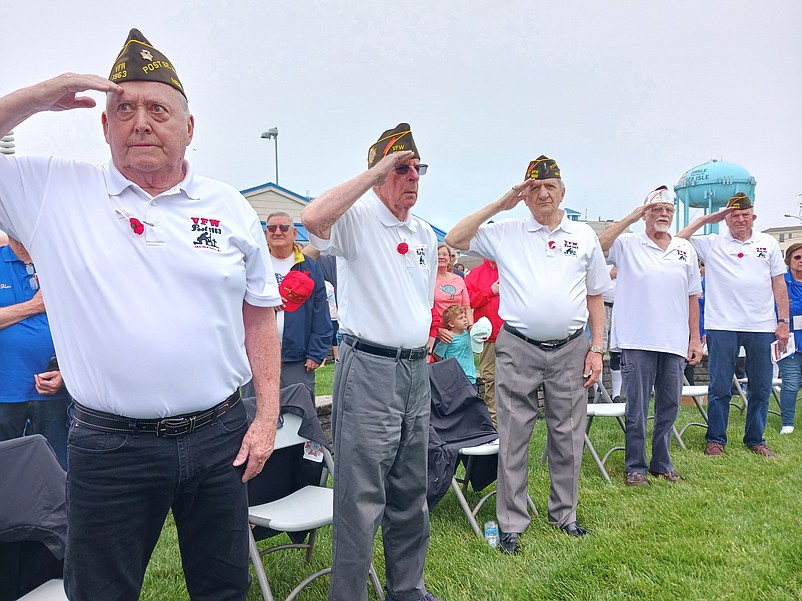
420, 252
570, 248
762, 252
682, 255
207, 231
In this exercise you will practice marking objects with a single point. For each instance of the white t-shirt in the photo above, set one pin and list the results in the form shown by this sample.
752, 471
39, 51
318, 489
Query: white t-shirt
383, 295
653, 285
738, 292
281, 267
544, 277
146, 325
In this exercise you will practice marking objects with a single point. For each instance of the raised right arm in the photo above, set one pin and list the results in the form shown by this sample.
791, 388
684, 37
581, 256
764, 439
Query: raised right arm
57, 94
322, 213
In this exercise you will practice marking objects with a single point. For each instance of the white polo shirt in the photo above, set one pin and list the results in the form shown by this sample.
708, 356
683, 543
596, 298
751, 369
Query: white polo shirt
144, 325
544, 276
383, 295
653, 285
738, 292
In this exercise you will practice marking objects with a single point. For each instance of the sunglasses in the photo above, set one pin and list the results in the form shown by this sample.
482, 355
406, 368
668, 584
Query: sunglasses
283, 227
33, 279
404, 169
796, 257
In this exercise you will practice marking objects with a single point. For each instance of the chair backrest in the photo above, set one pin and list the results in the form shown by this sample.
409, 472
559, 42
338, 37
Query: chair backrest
287, 435
33, 515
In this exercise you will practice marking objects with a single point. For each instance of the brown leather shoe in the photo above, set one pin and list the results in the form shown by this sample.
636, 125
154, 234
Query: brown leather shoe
714, 449
636, 479
762, 449
671, 476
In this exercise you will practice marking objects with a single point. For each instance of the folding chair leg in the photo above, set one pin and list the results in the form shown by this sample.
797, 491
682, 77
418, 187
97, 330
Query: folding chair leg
258, 567
466, 508
744, 402
595, 456
679, 439
374, 581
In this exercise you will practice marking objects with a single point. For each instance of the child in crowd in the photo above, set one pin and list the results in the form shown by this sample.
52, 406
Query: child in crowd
455, 318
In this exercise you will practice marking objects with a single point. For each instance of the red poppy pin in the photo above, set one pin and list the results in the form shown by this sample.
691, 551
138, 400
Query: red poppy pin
740, 255
403, 248
137, 226
552, 244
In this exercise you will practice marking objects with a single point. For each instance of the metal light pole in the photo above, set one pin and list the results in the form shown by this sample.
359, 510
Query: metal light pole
800, 212
272, 133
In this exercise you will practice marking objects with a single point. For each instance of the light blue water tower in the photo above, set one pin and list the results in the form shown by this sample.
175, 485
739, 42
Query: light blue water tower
709, 186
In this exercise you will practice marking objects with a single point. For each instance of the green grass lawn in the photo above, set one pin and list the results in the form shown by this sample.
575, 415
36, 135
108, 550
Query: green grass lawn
732, 530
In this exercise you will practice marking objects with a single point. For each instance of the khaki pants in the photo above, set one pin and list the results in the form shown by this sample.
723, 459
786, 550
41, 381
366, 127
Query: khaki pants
487, 371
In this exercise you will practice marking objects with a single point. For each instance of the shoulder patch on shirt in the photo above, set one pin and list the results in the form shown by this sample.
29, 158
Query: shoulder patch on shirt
205, 232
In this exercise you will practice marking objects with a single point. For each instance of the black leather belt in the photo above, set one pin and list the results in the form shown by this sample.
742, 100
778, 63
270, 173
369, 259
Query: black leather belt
177, 425
407, 354
606, 304
546, 345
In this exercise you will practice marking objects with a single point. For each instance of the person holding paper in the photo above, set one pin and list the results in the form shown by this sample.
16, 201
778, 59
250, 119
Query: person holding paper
745, 279
791, 366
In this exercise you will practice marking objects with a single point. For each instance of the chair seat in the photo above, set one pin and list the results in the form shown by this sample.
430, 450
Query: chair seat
305, 509
488, 448
606, 409
52, 590
694, 391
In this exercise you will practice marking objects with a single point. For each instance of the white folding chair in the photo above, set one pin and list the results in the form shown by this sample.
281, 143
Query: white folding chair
616, 410
52, 590
739, 383
304, 510
482, 450
699, 396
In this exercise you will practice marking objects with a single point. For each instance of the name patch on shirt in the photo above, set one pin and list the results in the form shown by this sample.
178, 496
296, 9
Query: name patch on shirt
206, 231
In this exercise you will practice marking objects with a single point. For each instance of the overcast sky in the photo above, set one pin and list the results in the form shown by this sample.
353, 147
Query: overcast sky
624, 95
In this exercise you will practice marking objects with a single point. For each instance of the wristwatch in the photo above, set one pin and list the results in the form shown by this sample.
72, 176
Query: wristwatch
786, 320
596, 349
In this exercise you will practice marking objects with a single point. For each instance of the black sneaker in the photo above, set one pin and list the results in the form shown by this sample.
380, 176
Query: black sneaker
509, 543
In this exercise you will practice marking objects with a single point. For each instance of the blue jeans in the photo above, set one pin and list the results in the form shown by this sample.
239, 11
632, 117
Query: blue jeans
120, 487
723, 346
48, 418
641, 371
791, 374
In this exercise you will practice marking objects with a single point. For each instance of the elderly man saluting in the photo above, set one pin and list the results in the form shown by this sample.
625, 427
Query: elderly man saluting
656, 326
744, 272
386, 269
156, 285
552, 275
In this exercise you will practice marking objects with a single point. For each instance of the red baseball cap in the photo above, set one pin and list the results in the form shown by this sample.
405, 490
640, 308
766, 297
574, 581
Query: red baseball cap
295, 288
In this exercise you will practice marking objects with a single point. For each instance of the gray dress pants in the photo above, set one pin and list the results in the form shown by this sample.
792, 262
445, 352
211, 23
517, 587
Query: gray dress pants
381, 431
521, 367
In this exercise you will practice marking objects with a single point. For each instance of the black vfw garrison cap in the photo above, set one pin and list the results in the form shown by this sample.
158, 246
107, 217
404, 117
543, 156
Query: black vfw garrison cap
139, 61
739, 202
543, 168
393, 140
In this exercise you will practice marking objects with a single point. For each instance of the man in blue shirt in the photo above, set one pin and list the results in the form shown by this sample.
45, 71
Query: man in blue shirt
33, 399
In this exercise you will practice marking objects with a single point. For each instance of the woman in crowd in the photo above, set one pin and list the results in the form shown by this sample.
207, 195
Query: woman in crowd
449, 289
791, 366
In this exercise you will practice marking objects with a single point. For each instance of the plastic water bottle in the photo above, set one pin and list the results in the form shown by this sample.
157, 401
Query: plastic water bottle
491, 534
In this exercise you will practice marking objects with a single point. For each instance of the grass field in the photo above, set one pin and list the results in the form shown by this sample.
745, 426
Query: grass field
732, 531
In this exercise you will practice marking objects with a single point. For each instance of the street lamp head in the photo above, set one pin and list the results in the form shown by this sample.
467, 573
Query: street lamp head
270, 133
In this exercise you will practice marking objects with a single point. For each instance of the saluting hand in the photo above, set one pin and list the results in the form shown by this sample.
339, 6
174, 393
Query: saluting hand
515, 195
383, 168
60, 93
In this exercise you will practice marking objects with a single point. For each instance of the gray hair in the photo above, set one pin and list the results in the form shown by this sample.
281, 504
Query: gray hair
280, 214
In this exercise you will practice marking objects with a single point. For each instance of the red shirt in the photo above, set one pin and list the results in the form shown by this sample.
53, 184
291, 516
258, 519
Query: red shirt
484, 301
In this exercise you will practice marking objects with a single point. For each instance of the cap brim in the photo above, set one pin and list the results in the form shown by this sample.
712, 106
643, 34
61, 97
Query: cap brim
476, 346
291, 306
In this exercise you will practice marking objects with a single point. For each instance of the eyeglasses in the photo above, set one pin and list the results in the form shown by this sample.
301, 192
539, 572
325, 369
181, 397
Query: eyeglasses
404, 169
658, 210
283, 227
796, 257
33, 278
